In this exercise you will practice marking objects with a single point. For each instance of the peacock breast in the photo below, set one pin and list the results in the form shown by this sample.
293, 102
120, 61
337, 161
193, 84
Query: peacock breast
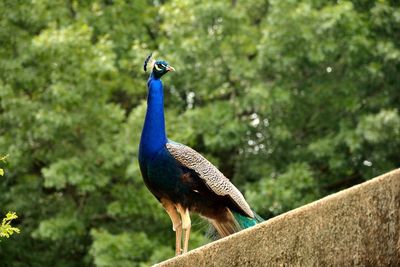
162, 175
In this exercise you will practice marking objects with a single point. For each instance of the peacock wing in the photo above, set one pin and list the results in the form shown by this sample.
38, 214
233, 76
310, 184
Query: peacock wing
212, 177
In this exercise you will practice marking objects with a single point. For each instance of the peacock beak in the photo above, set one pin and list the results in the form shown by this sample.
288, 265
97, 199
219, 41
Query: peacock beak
170, 68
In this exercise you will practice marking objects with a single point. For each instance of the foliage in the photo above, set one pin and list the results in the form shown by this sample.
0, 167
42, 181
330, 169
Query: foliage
292, 100
293, 188
6, 230
2, 159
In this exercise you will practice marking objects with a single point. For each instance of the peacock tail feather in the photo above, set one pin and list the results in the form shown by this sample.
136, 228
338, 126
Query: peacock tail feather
247, 222
233, 223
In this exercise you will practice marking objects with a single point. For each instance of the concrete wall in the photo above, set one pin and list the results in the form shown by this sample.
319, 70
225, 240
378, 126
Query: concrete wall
359, 226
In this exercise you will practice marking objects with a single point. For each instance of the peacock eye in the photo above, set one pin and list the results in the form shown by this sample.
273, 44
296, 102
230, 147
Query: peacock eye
158, 67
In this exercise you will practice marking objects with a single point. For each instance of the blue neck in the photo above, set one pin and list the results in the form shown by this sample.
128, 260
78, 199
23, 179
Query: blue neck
153, 134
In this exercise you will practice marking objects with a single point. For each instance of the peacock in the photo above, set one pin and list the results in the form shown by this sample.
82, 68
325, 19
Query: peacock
181, 179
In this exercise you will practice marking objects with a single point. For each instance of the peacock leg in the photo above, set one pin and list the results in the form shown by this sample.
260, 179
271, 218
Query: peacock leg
186, 225
176, 224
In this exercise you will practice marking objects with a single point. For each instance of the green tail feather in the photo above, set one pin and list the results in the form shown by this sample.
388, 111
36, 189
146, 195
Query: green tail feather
246, 222
238, 222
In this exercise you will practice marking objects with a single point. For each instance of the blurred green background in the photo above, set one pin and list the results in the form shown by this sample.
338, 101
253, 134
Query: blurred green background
292, 100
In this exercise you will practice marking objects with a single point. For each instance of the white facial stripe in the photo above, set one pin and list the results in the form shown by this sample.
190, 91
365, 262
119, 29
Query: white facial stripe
157, 68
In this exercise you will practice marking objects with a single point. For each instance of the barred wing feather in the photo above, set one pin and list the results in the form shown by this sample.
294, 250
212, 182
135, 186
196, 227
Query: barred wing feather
213, 178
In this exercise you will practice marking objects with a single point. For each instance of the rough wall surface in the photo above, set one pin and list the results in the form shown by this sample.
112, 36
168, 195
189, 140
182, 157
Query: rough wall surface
359, 226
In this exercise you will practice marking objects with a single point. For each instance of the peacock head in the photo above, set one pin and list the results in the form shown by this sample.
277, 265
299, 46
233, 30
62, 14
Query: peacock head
159, 67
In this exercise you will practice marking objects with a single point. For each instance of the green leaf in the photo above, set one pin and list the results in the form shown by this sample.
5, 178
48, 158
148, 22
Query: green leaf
6, 230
